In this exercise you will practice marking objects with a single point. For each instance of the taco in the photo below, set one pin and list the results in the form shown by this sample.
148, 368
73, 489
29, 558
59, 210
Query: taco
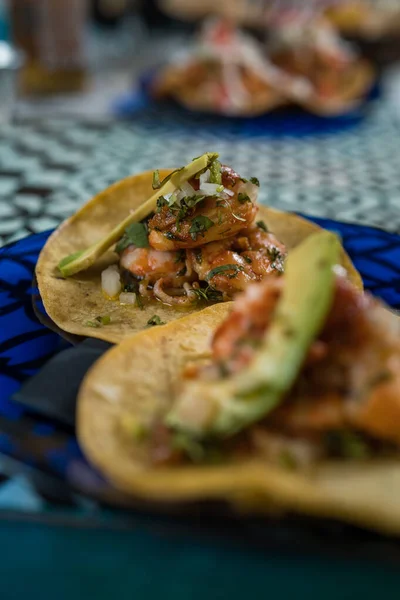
196, 239
325, 73
225, 73
291, 403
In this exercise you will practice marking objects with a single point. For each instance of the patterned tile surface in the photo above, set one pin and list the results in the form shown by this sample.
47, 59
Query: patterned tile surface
47, 170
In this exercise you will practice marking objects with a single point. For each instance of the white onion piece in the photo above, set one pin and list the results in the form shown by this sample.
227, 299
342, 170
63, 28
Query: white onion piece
180, 195
127, 298
229, 192
250, 189
209, 189
110, 281
187, 189
205, 177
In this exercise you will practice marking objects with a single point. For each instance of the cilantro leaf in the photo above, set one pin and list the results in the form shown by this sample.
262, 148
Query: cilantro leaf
255, 181
262, 226
155, 320
243, 198
235, 269
200, 225
135, 234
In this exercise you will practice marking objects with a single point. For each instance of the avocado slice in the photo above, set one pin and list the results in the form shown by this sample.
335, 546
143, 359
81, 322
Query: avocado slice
221, 409
83, 259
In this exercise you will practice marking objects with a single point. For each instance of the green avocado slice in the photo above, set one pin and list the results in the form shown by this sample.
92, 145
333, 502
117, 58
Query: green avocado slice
220, 409
83, 259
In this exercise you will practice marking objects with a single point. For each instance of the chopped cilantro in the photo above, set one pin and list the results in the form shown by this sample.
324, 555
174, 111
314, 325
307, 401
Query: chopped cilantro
209, 294
248, 259
180, 256
224, 268
92, 324
347, 444
191, 447
135, 234
200, 225
273, 253
243, 198
181, 272
255, 181
155, 320
99, 321
262, 226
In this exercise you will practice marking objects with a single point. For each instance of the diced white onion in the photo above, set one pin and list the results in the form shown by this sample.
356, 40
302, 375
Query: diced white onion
250, 189
209, 189
228, 192
205, 177
180, 195
127, 298
187, 189
110, 281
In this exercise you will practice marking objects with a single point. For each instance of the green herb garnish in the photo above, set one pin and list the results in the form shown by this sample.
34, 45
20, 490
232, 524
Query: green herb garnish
235, 269
262, 226
347, 444
155, 320
243, 198
248, 259
99, 321
200, 225
180, 256
209, 294
255, 181
135, 234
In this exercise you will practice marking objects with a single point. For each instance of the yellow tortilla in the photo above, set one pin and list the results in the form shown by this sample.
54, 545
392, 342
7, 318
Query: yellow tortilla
138, 379
352, 95
74, 301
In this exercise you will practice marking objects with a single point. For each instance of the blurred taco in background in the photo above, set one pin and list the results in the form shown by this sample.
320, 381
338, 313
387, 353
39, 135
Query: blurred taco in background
289, 403
157, 246
224, 73
335, 79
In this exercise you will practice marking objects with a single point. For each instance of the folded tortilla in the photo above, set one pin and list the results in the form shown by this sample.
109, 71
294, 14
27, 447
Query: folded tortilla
138, 379
74, 301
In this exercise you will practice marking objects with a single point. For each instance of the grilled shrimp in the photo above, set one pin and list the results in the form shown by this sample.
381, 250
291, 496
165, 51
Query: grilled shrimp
149, 264
213, 218
230, 265
351, 376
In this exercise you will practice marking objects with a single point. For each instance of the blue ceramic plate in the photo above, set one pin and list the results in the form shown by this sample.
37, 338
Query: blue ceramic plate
25, 345
289, 121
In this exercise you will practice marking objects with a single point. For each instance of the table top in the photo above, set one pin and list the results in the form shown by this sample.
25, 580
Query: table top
49, 168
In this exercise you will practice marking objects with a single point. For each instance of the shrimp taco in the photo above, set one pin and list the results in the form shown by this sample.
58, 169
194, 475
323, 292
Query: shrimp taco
324, 73
158, 246
289, 403
224, 73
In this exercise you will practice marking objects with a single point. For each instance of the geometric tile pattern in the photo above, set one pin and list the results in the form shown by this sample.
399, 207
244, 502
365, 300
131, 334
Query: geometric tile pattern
347, 169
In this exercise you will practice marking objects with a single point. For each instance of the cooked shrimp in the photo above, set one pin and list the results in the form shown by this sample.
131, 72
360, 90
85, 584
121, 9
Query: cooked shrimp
149, 264
231, 264
351, 377
212, 218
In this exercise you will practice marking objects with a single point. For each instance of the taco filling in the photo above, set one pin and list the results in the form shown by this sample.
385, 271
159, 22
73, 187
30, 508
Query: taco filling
202, 243
315, 53
225, 72
299, 374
